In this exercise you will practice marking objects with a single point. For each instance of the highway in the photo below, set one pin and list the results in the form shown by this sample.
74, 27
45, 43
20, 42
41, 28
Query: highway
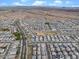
23, 34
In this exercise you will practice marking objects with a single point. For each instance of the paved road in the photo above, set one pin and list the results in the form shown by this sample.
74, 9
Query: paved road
23, 48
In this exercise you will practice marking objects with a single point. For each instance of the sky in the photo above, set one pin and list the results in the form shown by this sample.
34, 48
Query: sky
58, 3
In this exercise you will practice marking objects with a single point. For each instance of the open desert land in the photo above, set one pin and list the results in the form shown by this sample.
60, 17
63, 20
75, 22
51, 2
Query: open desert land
50, 14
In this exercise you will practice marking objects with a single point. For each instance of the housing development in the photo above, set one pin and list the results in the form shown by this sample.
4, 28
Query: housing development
39, 34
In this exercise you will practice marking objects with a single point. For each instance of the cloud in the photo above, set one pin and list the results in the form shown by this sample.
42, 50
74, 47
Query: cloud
23, 0
39, 3
18, 4
58, 2
74, 5
67, 2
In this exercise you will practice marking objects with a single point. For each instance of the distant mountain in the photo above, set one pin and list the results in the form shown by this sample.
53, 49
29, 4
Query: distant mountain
72, 9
